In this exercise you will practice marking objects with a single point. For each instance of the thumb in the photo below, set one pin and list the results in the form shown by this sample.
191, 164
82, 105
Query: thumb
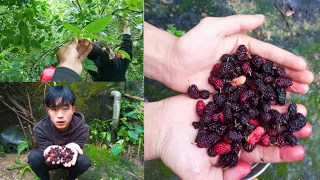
74, 42
225, 26
238, 23
74, 159
79, 149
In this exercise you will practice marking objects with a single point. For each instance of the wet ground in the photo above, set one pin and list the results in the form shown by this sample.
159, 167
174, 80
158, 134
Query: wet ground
298, 33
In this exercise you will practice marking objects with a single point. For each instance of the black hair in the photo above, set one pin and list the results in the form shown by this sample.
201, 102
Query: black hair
56, 92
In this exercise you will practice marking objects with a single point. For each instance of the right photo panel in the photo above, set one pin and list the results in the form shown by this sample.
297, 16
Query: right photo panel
231, 89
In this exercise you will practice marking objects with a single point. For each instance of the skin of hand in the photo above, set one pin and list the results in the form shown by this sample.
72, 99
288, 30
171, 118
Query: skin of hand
46, 151
180, 62
169, 135
77, 150
72, 55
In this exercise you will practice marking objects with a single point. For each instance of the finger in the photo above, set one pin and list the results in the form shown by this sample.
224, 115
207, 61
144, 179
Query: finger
284, 109
79, 149
74, 42
274, 154
306, 131
65, 164
74, 159
298, 88
80, 44
241, 170
304, 77
85, 53
273, 53
236, 23
58, 162
83, 47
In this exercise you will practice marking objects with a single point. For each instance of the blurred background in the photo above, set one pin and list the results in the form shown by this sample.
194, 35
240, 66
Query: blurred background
293, 25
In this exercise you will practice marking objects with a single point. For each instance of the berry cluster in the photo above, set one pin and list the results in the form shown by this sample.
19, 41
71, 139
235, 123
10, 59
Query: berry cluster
59, 155
240, 114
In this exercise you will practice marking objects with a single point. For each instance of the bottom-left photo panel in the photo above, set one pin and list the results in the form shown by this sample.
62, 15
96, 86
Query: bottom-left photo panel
71, 131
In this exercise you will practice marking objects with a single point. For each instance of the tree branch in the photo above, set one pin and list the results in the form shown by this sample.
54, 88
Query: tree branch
126, 8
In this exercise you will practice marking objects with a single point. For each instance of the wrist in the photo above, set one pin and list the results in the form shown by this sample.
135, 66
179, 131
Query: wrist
71, 67
152, 135
159, 46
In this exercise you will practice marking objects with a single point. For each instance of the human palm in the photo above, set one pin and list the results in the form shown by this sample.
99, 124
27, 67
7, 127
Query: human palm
180, 154
192, 57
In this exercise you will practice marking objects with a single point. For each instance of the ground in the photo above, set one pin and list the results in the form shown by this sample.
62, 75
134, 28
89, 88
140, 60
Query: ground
118, 167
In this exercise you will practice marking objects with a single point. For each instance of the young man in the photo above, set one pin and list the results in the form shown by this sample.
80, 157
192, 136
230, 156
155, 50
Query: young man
62, 126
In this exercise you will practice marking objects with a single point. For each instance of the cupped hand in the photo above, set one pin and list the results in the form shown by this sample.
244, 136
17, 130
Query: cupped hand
176, 135
46, 152
75, 148
192, 56
72, 55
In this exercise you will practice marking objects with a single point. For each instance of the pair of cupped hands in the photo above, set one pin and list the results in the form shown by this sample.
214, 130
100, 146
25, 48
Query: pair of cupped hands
189, 60
75, 148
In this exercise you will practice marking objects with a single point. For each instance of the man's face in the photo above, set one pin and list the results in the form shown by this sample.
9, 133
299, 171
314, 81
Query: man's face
61, 116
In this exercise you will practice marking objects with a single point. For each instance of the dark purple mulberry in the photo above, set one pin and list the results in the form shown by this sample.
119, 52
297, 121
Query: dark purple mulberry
283, 82
204, 94
297, 122
193, 92
228, 160
281, 96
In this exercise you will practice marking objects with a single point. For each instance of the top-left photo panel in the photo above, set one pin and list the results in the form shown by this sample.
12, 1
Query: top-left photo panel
71, 40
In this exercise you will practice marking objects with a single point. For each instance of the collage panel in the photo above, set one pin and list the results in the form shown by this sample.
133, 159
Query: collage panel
73, 130
232, 89
84, 40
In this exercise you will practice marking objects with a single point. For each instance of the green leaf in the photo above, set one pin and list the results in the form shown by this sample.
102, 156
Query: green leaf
23, 27
15, 50
108, 138
132, 3
22, 146
107, 38
103, 135
125, 54
89, 65
73, 28
5, 43
132, 113
133, 135
139, 129
41, 39
116, 149
98, 25
6, 32
40, 26
17, 40
91, 35
49, 60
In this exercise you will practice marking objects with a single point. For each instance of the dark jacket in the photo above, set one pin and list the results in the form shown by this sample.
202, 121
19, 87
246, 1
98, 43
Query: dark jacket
65, 74
46, 134
111, 70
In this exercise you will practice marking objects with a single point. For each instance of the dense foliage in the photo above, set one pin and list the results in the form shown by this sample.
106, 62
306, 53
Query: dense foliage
32, 31
129, 132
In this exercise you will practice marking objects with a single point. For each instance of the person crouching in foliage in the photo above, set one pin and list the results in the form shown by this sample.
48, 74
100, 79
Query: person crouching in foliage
59, 136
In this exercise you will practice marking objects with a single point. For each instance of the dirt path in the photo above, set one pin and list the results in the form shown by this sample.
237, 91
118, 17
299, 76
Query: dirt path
9, 159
